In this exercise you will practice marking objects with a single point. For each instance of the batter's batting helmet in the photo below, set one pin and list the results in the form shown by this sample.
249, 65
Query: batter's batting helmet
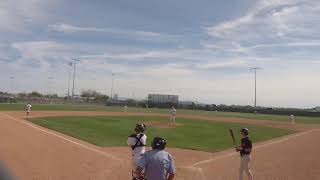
140, 127
158, 143
245, 131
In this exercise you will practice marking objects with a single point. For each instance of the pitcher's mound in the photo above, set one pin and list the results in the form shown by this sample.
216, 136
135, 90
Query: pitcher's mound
162, 124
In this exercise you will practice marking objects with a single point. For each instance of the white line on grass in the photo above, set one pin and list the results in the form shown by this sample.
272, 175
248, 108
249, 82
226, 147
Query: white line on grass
64, 138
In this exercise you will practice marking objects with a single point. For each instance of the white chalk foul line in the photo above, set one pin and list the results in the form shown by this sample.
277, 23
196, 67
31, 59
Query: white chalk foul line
64, 138
257, 147
199, 170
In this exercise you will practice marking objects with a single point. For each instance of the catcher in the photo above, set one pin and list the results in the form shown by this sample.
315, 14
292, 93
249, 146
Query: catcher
137, 141
245, 150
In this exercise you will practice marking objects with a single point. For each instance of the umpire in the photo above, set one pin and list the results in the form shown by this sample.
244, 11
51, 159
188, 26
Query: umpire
156, 163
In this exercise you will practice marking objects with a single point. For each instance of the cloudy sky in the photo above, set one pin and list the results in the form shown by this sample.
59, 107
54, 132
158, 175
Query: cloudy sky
201, 50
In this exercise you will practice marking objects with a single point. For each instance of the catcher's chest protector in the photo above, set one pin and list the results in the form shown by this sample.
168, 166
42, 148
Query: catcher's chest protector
138, 141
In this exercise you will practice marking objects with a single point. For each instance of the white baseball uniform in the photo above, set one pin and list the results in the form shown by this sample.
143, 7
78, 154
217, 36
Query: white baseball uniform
28, 107
173, 113
291, 119
138, 151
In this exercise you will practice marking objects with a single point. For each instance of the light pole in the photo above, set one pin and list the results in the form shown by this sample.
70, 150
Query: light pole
112, 82
50, 88
255, 85
74, 74
11, 84
94, 83
69, 70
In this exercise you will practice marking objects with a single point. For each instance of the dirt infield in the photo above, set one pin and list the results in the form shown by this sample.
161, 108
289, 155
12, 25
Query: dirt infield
33, 152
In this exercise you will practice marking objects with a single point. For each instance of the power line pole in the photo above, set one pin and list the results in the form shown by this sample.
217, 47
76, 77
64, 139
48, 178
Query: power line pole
74, 74
255, 85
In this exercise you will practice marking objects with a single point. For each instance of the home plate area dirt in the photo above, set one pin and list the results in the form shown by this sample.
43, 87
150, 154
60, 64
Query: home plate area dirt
35, 153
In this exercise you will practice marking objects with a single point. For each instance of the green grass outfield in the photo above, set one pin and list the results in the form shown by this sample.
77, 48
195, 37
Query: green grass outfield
41, 107
194, 134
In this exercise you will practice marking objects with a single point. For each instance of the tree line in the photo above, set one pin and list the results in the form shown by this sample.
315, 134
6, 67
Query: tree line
251, 109
87, 95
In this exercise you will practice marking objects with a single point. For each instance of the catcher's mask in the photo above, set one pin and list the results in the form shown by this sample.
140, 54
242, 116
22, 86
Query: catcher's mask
140, 127
158, 143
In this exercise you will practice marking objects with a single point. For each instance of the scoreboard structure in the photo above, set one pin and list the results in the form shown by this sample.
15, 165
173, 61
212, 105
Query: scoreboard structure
163, 100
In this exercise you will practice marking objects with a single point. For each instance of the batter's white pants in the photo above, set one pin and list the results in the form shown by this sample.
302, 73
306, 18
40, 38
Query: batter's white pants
245, 167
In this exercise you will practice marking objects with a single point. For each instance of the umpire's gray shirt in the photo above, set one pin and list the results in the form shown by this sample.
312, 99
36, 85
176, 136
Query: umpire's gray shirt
157, 164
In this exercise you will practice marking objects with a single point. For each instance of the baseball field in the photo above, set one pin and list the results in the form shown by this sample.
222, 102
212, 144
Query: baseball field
89, 142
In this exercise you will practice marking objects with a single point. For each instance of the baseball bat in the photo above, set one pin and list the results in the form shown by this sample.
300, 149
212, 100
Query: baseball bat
232, 135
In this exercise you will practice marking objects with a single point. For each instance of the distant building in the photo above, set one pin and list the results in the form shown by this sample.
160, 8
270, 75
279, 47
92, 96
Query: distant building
186, 103
163, 100
115, 97
317, 109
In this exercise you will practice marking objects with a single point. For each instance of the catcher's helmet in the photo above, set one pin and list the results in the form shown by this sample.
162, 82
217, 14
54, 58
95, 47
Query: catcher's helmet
245, 131
158, 143
140, 127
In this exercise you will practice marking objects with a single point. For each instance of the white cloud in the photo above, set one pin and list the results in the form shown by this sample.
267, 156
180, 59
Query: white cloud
290, 44
40, 50
223, 64
47, 53
68, 28
224, 28
15, 14
270, 25
38, 46
171, 71
133, 56
271, 20
174, 55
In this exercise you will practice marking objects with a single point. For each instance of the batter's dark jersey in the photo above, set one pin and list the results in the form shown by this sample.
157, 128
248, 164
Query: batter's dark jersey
245, 144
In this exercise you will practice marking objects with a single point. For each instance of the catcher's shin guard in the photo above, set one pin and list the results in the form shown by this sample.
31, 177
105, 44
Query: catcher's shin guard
136, 178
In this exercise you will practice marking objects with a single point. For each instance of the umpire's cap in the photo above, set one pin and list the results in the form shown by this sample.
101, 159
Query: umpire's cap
140, 127
158, 143
245, 131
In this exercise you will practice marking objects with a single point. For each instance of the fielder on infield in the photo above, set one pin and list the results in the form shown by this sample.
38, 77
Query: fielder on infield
173, 113
28, 109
